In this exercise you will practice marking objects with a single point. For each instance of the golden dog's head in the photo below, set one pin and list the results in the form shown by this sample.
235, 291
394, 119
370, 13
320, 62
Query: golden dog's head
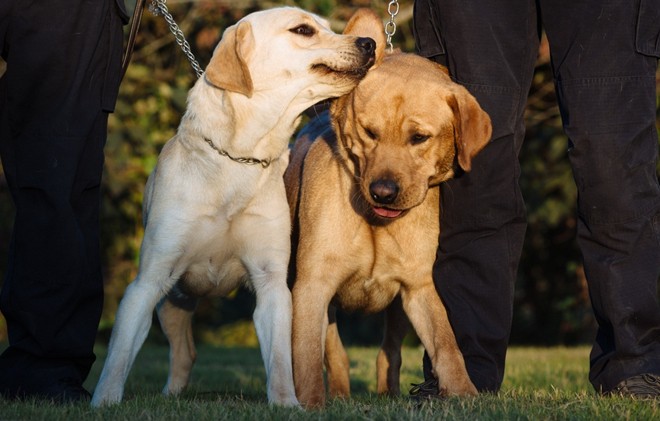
405, 126
286, 47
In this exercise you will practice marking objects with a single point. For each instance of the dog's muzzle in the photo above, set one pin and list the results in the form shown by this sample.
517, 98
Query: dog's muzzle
384, 192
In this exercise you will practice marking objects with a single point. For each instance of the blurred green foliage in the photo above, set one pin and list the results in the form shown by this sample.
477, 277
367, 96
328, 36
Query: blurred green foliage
552, 304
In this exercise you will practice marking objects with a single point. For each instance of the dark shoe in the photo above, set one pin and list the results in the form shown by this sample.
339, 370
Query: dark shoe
641, 386
64, 390
26, 377
426, 390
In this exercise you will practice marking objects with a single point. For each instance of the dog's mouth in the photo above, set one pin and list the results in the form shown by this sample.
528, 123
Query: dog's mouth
387, 213
351, 72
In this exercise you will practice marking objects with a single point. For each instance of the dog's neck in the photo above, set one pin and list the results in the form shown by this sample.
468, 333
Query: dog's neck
258, 126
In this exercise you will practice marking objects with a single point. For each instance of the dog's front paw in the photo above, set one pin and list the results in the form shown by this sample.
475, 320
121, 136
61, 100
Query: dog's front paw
105, 399
313, 401
463, 388
286, 401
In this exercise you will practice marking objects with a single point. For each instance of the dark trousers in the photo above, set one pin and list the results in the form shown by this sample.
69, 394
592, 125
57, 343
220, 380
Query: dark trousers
63, 61
604, 58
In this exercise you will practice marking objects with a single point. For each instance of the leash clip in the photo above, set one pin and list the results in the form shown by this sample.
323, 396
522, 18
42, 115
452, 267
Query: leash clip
153, 8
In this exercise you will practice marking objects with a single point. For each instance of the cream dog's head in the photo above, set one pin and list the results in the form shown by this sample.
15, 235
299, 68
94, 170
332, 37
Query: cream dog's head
288, 47
404, 126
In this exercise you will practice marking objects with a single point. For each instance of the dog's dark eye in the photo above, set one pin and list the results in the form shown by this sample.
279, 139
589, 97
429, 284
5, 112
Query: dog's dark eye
418, 138
370, 134
304, 30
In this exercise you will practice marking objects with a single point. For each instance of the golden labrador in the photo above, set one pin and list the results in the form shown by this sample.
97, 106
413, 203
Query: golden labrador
363, 190
215, 209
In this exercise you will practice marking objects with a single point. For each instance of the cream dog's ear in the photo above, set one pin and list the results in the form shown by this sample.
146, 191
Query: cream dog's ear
366, 23
228, 67
472, 127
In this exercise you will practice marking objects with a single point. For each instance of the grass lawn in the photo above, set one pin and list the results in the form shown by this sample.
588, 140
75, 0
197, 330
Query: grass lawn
229, 383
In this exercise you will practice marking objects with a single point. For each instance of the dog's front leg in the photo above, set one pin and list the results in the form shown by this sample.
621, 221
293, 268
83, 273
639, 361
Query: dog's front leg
429, 318
272, 321
310, 320
388, 363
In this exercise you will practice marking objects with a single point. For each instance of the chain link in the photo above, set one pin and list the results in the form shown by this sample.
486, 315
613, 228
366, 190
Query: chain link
158, 8
390, 26
240, 159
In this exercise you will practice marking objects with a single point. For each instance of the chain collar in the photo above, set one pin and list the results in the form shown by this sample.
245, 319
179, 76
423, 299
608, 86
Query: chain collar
243, 160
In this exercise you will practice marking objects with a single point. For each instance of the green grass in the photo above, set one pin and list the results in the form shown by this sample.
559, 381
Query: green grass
229, 384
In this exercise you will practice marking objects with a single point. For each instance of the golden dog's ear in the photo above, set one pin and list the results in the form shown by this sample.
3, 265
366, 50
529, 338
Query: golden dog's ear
472, 127
366, 23
228, 67
341, 116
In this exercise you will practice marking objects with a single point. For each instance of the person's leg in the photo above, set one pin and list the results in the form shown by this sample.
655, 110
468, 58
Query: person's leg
604, 68
490, 48
54, 100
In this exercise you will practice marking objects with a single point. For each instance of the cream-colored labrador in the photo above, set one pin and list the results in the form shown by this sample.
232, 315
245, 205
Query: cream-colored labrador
215, 209
363, 189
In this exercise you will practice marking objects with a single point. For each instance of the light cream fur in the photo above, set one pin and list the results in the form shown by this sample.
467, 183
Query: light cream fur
213, 224
404, 129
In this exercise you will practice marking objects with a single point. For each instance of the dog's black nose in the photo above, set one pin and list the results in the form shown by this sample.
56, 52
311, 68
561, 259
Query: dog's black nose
367, 45
384, 192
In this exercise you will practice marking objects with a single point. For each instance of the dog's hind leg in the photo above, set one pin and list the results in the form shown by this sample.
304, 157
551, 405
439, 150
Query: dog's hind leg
388, 362
336, 359
131, 327
175, 314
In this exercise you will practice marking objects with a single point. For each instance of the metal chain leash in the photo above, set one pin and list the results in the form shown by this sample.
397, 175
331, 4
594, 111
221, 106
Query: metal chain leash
158, 8
390, 26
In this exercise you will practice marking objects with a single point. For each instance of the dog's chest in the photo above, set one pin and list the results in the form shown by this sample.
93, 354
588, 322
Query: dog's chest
375, 281
215, 265
379, 267
369, 294
213, 277
229, 243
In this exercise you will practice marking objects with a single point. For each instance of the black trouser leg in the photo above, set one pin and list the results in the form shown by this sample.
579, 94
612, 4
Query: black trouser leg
606, 91
61, 82
52, 296
604, 58
482, 212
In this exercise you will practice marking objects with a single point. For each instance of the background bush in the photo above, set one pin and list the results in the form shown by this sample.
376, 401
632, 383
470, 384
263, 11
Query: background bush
551, 302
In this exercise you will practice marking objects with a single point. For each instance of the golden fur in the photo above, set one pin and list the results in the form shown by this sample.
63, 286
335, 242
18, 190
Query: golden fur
362, 187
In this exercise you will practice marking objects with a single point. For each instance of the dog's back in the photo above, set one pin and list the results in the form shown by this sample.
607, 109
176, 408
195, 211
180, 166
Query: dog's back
317, 128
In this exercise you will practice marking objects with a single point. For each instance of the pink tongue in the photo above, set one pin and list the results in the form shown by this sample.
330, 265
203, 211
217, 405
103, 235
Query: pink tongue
387, 213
